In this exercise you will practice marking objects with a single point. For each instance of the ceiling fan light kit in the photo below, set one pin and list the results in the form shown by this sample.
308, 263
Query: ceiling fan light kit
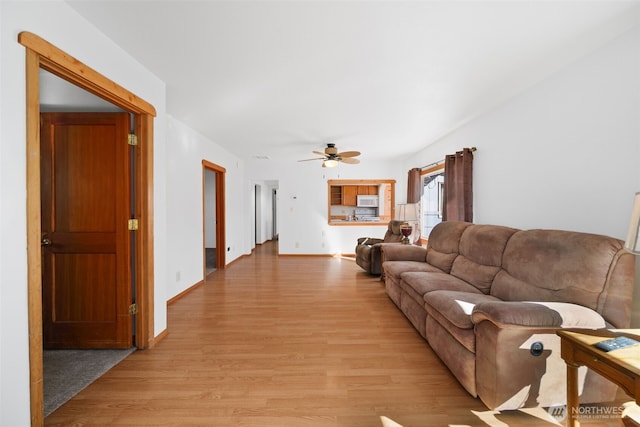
332, 158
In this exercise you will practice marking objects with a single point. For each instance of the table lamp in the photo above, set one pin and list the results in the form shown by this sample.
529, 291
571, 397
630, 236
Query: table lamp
633, 243
406, 213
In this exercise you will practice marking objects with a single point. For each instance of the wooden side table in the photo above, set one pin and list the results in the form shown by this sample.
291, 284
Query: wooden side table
621, 367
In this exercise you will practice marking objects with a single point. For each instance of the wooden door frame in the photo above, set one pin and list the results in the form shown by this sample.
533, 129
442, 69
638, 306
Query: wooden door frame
42, 54
221, 242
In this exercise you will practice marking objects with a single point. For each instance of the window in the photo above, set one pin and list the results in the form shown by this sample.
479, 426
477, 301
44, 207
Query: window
432, 195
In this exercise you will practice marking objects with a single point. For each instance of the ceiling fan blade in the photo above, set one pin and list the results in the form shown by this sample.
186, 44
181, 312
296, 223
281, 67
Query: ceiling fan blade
349, 154
350, 160
319, 153
315, 158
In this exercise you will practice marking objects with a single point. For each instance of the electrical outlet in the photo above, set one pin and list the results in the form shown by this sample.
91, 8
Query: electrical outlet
297, 244
177, 276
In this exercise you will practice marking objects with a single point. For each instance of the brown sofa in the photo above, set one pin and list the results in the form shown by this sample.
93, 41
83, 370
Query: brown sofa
488, 299
368, 249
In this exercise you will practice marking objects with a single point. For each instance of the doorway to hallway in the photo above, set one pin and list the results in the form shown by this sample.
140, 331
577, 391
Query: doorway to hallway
213, 214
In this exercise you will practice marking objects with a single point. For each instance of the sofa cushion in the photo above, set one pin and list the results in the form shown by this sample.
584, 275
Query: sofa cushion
442, 248
480, 254
417, 284
452, 310
565, 266
393, 269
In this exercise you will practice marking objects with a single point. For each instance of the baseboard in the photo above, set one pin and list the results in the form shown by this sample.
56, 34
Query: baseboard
185, 292
155, 340
239, 258
325, 255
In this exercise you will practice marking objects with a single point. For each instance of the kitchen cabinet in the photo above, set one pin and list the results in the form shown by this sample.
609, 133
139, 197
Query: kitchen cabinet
349, 195
346, 195
367, 190
336, 195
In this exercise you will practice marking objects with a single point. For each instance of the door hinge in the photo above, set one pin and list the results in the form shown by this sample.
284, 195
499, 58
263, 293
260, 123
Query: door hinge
133, 224
133, 309
133, 139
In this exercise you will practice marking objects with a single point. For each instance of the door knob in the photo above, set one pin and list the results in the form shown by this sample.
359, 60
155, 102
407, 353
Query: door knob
46, 242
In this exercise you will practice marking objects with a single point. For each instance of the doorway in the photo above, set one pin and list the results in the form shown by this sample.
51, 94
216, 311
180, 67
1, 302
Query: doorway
274, 214
213, 214
257, 216
41, 55
210, 220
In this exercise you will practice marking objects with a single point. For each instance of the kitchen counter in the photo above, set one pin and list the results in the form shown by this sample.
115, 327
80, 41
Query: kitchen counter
366, 222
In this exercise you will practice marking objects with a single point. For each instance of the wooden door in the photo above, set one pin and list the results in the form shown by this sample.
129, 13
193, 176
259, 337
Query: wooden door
85, 190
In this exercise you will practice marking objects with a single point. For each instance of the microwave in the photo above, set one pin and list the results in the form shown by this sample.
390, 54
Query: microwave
367, 201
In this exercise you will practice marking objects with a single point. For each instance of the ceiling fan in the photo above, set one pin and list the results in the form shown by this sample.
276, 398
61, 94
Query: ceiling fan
331, 157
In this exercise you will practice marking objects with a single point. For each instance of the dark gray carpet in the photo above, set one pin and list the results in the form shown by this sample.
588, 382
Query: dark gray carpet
210, 257
67, 372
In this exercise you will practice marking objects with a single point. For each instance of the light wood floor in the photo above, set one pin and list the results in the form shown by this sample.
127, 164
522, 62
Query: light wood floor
286, 341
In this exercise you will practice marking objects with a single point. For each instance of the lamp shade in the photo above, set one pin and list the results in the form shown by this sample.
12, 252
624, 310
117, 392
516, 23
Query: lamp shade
330, 163
633, 244
406, 212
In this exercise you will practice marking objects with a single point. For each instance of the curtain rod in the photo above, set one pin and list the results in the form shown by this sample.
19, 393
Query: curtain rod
432, 164
442, 161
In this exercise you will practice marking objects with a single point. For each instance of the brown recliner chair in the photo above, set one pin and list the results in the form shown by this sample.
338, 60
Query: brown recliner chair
368, 250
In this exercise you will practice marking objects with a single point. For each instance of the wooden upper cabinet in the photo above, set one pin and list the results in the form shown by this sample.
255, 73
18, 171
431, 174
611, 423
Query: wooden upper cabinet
346, 195
336, 195
349, 195
368, 190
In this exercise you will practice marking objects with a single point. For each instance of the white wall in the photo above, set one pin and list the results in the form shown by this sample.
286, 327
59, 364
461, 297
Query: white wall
186, 149
302, 202
83, 41
563, 154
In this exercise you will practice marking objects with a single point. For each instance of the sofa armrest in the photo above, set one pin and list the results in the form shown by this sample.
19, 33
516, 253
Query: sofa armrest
400, 252
508, 313
537, 314
369, 240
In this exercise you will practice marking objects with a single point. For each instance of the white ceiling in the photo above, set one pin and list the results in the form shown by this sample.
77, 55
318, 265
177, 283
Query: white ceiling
280, 79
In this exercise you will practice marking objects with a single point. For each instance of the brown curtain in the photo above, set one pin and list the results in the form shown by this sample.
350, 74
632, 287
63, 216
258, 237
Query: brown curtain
414, 190
458, 187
